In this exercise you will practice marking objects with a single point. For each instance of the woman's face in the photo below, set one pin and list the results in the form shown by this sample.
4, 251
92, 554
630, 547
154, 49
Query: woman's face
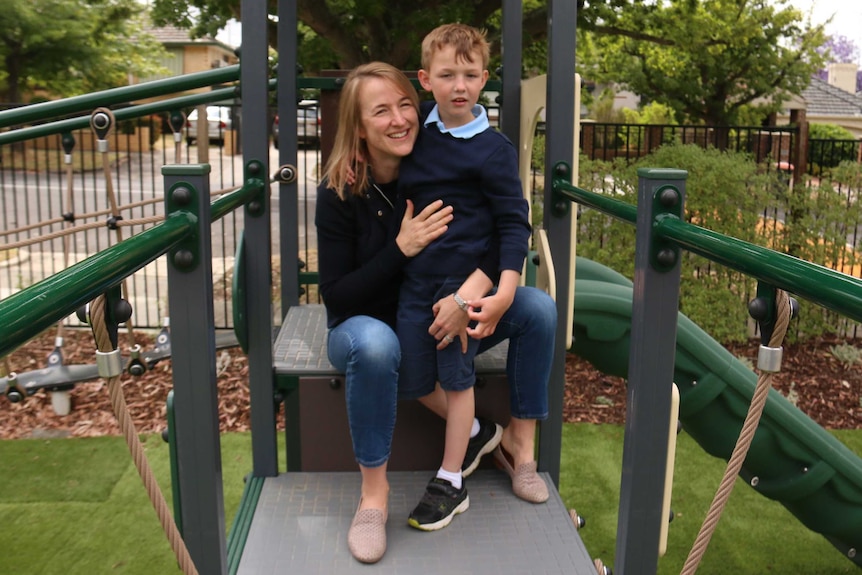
389, 122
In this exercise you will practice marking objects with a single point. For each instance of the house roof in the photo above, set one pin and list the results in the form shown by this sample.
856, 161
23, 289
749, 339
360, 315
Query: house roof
823, 99
173, 36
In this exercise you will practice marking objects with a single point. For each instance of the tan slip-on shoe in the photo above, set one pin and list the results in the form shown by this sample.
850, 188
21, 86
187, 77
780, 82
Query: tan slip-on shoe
366, 538
526, 483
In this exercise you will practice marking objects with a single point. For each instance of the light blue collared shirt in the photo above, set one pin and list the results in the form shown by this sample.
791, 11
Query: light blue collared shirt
465, 132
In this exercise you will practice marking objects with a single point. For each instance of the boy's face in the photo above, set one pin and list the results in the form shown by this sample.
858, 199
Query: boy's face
456, 85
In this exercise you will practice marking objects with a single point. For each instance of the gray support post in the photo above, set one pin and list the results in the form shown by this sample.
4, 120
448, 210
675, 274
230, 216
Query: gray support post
288, 194
193, 357
562, 18
258, 247
512, 46
655, 304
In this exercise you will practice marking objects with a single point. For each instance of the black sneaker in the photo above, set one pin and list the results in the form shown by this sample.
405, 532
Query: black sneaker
485, 442
439, 505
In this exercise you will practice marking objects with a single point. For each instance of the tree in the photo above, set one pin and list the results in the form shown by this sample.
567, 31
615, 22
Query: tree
705, 59
68, 47
357, 31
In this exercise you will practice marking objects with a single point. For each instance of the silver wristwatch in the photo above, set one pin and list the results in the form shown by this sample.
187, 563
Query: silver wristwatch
460, 301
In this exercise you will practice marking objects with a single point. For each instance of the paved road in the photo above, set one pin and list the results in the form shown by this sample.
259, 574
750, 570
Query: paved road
31, 197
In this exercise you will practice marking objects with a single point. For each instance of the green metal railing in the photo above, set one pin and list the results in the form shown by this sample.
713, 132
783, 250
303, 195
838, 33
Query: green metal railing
87, 102
831, 289
27, 313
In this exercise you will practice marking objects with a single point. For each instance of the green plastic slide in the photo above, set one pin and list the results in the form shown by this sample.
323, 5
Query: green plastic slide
792, 459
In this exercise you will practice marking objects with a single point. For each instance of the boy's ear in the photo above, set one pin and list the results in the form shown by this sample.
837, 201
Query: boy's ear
424, 79
485, 75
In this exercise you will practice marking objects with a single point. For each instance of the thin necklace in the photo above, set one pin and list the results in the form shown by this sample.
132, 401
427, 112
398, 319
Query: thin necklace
382, 195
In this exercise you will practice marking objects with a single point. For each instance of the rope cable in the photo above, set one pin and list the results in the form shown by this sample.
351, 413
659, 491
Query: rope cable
121, 412
746, 436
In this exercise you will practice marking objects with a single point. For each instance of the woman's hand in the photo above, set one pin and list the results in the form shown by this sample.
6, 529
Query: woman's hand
419, 231
449, 319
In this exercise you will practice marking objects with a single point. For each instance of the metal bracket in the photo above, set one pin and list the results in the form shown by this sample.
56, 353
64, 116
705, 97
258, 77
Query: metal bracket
185, 255
561, 205
667, 202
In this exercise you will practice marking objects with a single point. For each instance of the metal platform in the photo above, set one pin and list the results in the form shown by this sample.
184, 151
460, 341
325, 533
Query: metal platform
301, 523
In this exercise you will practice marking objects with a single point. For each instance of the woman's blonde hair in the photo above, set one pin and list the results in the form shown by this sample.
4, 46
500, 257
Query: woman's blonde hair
350, 152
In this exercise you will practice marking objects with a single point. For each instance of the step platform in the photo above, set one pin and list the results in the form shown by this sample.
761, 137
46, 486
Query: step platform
301, 522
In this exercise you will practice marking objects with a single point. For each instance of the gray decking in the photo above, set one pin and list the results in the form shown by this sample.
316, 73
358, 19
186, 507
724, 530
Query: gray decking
302, 518
300, 527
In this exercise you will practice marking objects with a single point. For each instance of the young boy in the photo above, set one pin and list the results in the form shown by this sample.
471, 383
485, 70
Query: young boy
460, 159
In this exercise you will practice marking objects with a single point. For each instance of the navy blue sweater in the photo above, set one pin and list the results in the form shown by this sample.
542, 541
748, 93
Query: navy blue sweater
479, 178
360, 264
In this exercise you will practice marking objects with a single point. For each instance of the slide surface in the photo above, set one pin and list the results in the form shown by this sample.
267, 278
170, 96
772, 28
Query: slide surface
795, 461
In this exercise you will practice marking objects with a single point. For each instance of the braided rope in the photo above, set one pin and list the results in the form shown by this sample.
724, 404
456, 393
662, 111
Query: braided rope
121, 411
93, 225
740, 450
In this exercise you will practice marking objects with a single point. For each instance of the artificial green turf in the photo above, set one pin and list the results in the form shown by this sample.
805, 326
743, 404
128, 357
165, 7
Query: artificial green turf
754, 535
78, 507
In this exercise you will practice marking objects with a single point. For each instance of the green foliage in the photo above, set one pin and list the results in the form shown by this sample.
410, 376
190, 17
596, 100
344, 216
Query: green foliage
705, 59
847, 354
725, 193
831, 144
829, 132
69, 47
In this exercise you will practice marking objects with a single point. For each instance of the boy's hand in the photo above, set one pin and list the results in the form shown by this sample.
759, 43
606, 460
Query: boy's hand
486, 312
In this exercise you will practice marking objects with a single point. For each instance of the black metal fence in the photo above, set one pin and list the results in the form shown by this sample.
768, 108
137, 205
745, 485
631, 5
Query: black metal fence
59, 208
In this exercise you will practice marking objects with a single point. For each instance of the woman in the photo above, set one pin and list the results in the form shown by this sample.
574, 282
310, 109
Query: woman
361, 256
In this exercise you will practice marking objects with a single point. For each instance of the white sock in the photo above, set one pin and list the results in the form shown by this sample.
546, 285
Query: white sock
474, 431
452, 477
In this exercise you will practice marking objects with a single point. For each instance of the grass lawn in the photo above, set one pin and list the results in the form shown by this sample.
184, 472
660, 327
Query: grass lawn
77, 506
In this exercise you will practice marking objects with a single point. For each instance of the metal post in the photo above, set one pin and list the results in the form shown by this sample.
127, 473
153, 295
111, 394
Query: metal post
258, 247
562, 16
513, 22
288, 193
193, 351
655, 305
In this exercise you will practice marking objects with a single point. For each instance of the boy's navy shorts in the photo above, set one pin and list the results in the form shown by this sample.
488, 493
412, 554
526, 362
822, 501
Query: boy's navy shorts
422, 365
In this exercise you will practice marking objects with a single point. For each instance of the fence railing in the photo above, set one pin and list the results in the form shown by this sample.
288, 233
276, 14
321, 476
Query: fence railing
608, 141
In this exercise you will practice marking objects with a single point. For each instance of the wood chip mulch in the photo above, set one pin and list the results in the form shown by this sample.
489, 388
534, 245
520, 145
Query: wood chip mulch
812, 376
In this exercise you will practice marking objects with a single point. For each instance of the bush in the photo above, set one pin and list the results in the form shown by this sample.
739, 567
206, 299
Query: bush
725, 192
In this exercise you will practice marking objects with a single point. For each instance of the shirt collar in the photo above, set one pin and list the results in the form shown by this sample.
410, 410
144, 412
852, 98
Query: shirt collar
478, 125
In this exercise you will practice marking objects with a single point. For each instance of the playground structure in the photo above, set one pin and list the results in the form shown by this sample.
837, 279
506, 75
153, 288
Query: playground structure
796, 462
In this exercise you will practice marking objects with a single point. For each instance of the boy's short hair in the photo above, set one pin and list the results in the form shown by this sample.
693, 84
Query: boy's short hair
466, 40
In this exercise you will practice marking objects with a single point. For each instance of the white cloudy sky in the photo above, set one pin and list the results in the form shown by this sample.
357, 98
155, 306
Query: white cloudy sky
847, 19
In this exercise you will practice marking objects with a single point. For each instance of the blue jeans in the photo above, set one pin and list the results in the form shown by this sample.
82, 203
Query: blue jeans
368, 353
366, 350
530, 325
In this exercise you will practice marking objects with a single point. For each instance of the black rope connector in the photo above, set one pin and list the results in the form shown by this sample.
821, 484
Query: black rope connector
69, 217
113, 222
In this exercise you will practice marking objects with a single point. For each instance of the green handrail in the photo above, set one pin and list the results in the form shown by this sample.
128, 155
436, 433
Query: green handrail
829, 288
124, 94
27, 313
129, 113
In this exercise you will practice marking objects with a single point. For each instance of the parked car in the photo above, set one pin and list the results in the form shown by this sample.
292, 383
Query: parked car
307, 124
218, 123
